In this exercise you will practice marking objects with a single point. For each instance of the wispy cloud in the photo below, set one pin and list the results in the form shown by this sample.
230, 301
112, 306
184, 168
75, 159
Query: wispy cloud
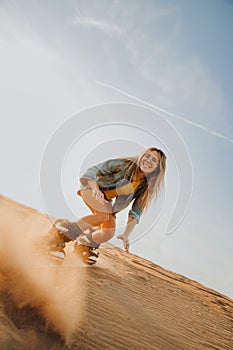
149, 51
167, 113
180, 78
106, 27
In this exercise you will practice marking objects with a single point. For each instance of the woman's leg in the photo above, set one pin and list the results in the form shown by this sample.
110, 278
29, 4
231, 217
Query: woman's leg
107, 231
101, 211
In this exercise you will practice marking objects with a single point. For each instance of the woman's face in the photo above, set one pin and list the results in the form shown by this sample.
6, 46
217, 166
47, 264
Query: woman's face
149, 161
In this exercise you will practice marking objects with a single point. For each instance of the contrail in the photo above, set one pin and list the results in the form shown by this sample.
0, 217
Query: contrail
164, 111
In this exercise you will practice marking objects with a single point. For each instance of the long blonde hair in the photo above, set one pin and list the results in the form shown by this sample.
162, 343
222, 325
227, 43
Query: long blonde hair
153, 182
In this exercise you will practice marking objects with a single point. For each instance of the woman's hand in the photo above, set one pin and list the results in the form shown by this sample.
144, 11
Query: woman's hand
96, 193
99, 196
125, 236
125, 242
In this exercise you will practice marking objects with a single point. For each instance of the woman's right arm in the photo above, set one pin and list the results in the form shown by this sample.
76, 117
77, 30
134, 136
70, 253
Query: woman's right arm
96, 191
90, 176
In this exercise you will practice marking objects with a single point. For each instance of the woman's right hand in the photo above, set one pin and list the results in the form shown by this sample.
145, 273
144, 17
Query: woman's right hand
98, 195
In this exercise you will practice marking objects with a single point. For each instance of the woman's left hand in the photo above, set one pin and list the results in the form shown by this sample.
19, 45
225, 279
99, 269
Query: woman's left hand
125, 242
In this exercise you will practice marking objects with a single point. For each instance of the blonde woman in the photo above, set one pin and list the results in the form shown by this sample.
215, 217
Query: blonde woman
107, 189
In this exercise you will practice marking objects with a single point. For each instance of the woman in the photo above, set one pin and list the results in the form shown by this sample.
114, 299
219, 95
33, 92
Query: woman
106, 189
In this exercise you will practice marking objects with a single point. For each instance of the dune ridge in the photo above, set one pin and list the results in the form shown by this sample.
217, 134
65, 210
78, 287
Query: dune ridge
124, 302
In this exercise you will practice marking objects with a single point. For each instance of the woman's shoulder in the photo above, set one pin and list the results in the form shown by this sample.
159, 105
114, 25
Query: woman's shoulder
114, 165
123, 160
119, 161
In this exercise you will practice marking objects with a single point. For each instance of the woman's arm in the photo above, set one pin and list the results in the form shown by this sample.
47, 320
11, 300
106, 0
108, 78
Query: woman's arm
96, 191
128, 229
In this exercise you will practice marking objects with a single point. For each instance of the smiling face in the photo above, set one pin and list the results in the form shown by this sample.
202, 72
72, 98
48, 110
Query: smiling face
149, 161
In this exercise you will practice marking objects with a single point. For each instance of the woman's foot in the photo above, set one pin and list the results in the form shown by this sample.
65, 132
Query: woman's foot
61, 232
86, 248
87, 254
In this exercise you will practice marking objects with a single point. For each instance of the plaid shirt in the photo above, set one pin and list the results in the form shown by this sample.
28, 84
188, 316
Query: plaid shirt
110, 175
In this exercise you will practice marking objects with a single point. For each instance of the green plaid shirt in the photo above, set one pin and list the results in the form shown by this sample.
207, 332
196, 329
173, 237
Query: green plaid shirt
110, 175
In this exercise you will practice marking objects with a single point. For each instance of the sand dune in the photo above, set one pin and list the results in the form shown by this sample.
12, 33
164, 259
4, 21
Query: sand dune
124, 302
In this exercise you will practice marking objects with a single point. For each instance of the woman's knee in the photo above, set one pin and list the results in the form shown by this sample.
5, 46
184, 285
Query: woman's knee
104, 209
108, 233
103, 217
109, 227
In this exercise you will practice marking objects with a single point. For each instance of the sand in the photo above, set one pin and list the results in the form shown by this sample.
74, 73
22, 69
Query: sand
123, 302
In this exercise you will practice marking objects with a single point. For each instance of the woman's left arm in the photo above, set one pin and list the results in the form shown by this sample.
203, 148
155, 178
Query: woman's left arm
128, 229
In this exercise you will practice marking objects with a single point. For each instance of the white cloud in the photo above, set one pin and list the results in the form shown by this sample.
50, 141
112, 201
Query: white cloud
148, 48
181, 80
106, 27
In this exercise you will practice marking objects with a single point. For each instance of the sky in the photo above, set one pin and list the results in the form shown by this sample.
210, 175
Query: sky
175, 55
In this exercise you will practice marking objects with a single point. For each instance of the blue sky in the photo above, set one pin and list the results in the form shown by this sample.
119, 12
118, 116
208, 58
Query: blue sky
173, 54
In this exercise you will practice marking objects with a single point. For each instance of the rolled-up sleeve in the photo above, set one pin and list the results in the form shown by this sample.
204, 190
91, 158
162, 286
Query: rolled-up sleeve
135, 212
92, 172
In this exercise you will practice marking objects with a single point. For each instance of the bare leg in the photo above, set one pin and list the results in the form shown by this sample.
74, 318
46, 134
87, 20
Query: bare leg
107, 231
101, 211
